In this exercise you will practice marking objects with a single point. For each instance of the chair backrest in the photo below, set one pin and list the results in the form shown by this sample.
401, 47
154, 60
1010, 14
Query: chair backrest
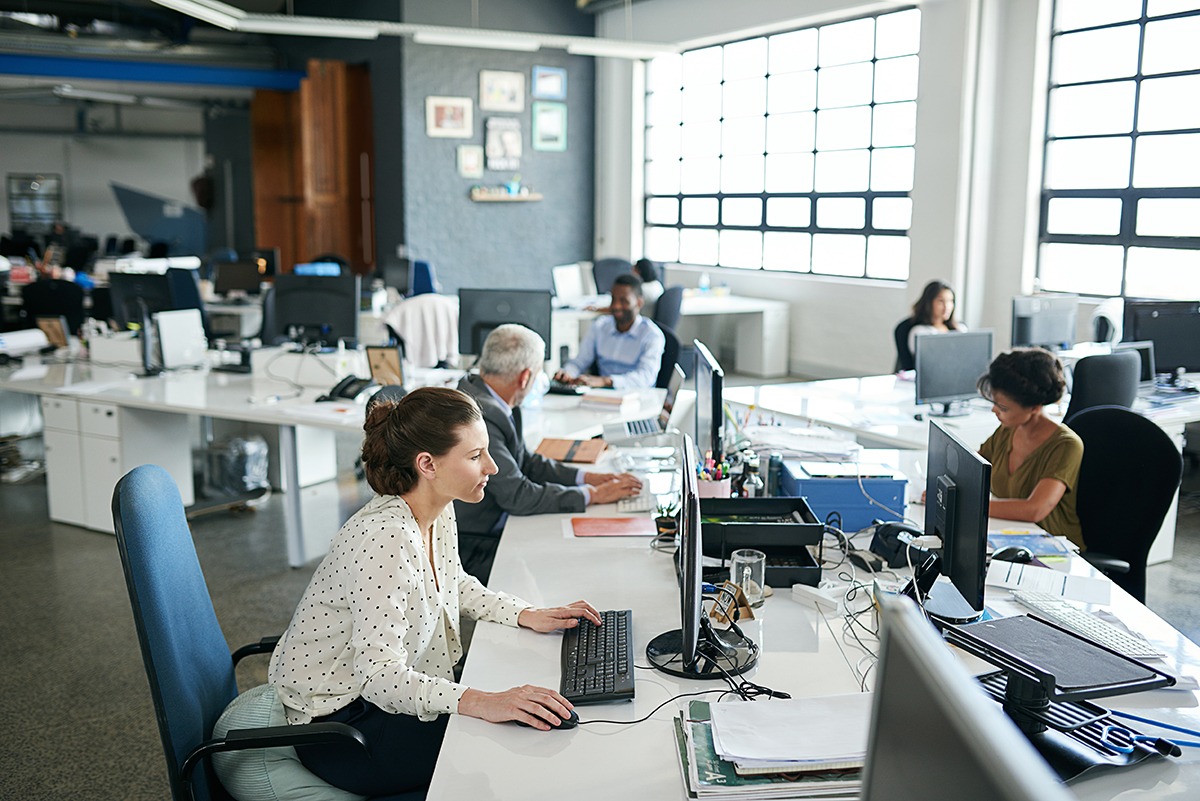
185, 654
1127, 482
1110, 379
669, 358
185, 293
268, 332
55, 298
605, 271
904, 356
669, 307
423, 280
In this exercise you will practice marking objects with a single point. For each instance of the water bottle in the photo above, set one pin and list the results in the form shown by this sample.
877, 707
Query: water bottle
774, 473
705, 282
753, 486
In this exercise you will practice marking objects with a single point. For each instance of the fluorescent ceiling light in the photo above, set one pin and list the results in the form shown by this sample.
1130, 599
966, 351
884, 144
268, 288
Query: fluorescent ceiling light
68, 91
222, 15
615, 48
308, 26
468, 39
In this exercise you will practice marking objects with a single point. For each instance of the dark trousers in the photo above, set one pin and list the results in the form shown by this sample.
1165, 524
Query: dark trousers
477, 552
400, 756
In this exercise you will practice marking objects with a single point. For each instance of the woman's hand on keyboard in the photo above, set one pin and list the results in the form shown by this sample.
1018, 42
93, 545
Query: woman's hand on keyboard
538, 707
558, 617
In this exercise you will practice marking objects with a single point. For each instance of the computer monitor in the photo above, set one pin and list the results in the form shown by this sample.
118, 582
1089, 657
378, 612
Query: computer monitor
695, 650
949, 366
267, 260
326, 269
481, 311
956, 509
316, 309
135, 296
396, 273
710, 404
237, 276
1145, 352
1173, 327
1044, 321
966, 747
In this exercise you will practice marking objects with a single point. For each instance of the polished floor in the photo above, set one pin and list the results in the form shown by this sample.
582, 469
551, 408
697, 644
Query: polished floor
77, 717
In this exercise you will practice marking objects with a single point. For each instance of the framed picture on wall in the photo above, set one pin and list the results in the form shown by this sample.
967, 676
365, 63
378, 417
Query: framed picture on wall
449, 117
501, 91
549, 126
502, 143
549, 83
470, 161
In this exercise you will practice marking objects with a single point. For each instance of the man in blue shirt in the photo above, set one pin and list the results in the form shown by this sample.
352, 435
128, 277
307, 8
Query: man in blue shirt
624, 348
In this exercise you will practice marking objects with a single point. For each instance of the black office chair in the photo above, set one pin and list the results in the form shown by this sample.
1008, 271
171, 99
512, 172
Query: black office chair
605, 271
669, 307
670, 357
53, 297
185, 294
1130, 472
269, 333
1110, 379
904, 357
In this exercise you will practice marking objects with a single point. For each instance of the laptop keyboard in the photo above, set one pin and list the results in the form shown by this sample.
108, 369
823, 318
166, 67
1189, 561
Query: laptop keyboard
645, 426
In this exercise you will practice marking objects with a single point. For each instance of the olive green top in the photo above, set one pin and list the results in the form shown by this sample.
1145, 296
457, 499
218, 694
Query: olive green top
1058, 457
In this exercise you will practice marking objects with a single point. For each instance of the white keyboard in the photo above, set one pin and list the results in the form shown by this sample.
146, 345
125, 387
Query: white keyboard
642, 502
1061, 611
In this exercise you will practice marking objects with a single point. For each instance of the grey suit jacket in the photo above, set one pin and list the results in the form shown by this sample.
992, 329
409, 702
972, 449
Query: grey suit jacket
527, 484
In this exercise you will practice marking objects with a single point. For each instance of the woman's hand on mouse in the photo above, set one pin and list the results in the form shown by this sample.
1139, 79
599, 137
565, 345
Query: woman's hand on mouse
538, 707
558, 617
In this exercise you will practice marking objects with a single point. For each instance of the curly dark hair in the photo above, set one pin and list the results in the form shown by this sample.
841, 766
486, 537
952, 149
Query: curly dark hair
922, 310
425, 420
1030, 376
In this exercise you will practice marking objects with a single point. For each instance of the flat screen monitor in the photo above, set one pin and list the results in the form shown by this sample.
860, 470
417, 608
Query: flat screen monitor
956, 509
267, 260
316, 309
321, 268
137, 294
238, 276
949, 366
1173, 327
710, 404
1145, 352
396, 274
1044, 321
481, 311
966, 748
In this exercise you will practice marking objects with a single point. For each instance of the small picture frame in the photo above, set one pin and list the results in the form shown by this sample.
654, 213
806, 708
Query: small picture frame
470, 161
549, 126
55, 329
502, 143
387, 369
549, 83
501, 91
449, 117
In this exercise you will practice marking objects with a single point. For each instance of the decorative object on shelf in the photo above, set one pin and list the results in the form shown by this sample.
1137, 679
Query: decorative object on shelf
449, 117
470, 161
549, 126
502, 143
502, 194
549, 83
501, 91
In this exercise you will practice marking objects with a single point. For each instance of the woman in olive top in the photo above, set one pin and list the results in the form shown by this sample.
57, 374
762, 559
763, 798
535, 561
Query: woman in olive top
1035, 461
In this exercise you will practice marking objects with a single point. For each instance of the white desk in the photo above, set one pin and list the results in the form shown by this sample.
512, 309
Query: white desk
802, 654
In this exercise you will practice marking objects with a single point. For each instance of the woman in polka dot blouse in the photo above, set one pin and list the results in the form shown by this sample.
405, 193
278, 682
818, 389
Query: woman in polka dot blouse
375, 638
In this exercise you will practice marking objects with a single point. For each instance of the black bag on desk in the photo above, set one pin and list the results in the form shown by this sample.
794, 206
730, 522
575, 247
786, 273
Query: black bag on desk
888, 544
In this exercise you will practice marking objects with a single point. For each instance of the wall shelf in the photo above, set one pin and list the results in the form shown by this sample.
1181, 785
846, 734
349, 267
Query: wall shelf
498, 196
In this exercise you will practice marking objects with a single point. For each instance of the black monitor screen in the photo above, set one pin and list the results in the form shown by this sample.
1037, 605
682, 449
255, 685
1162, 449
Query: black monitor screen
1044, 321
1145, 352
949, 365
956, 509
133, 293
481, 311
316, 309
710, 380
238, 276
1173, 327
397, 275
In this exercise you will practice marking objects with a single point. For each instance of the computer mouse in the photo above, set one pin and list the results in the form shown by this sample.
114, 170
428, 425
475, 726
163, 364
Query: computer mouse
569, 722
1013, 553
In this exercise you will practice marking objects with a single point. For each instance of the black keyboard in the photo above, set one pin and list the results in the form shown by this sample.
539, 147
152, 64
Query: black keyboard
557, 388
597, 661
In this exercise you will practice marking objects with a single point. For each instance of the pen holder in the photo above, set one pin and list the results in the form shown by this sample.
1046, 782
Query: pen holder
714, 489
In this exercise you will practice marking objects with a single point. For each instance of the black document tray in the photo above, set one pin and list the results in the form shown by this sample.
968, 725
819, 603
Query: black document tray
731, 523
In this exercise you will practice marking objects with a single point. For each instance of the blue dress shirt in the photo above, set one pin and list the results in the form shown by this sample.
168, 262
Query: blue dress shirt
630, 358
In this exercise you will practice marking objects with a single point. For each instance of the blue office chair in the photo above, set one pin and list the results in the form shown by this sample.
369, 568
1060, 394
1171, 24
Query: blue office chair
188, 663
669, 307
605, 271
423, 279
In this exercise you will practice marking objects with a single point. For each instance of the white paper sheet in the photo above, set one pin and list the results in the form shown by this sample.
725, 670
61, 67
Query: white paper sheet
825, 729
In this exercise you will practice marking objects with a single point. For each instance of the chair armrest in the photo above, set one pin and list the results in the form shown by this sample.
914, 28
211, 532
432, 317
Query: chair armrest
264, 646
1106, 564
269, 737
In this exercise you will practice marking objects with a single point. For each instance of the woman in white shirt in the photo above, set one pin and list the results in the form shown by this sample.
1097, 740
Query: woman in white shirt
933, 313
375, 638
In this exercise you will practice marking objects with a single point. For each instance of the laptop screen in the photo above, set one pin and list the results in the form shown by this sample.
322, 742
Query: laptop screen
664, 417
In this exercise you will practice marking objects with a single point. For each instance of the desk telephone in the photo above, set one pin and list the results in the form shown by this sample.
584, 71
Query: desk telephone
350, 388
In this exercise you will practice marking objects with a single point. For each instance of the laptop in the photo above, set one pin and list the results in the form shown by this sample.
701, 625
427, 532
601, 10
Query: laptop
648, 426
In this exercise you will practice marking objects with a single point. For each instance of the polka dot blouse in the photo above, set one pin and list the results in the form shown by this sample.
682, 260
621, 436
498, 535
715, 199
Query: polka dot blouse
375, 623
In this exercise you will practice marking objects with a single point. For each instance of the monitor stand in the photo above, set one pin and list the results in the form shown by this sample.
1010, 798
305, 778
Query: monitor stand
959, 408
718, 653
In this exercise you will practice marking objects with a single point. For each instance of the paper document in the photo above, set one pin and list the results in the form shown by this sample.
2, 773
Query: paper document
1017, 576
829, 729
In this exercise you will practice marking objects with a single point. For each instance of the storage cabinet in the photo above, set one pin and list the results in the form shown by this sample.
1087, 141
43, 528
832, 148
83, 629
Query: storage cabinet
89, 446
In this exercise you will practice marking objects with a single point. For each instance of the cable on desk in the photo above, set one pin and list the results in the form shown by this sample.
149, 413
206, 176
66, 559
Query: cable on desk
647, 717
1162, 725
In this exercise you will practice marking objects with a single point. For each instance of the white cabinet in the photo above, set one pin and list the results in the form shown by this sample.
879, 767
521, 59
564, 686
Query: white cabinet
89, 446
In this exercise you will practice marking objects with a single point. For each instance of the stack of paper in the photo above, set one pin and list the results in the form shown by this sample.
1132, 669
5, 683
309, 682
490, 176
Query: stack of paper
608, 398
707, 773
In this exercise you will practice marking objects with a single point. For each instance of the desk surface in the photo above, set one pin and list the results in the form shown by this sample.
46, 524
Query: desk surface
803, 653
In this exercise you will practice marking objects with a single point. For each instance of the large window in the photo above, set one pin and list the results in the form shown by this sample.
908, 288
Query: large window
789, 152
1121, 186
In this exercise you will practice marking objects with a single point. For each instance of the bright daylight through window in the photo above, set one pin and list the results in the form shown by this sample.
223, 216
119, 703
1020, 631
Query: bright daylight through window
789, 152
1121, 187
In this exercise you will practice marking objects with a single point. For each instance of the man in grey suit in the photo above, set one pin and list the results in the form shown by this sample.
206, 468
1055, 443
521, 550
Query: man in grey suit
527, 484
